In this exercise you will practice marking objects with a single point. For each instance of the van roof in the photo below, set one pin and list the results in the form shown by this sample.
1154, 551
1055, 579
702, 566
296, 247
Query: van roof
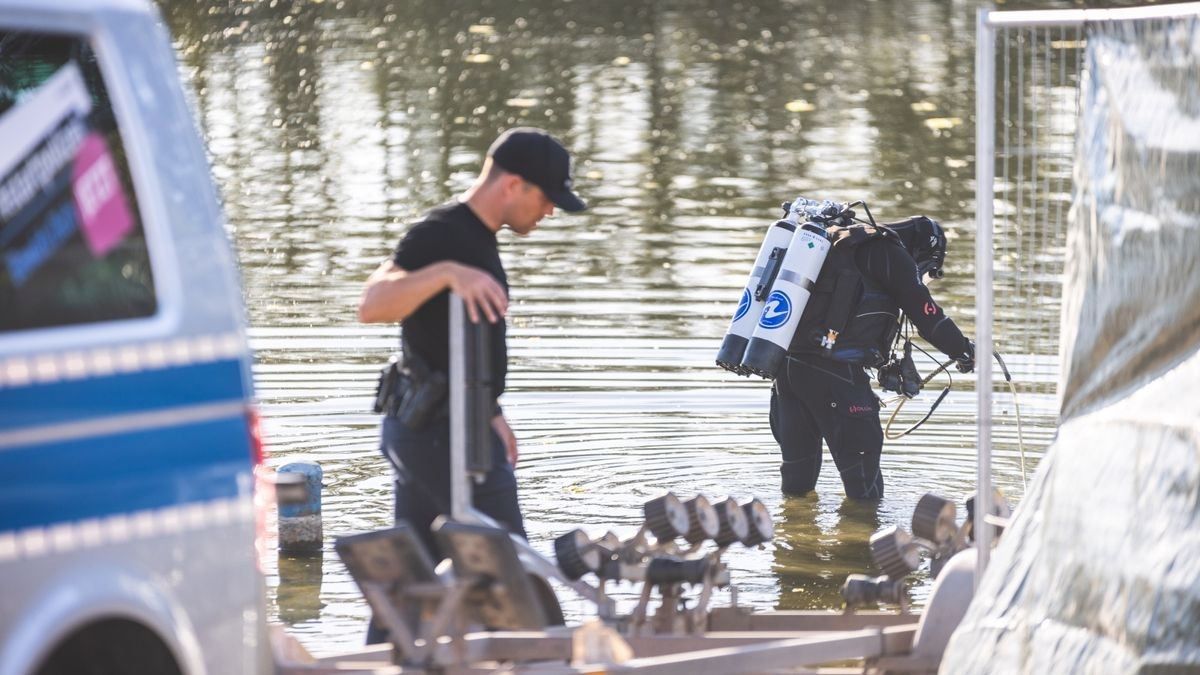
80, 6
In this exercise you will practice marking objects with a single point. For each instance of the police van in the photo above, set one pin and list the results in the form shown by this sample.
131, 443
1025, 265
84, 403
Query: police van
128, 438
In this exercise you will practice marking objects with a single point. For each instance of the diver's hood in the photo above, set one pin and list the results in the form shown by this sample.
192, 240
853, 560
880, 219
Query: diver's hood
925, 241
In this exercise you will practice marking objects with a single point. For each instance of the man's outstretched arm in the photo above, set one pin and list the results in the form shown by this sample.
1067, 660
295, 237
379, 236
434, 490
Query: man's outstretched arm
393, 293
892, 268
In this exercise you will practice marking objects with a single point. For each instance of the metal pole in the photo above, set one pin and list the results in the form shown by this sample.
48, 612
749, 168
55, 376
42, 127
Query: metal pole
460, 482
461, 509
985, 157
1078, 17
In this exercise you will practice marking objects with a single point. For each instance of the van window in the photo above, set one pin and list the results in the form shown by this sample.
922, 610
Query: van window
72, 248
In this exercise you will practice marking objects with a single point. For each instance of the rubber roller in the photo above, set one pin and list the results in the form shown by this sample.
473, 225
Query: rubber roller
933, 519
702, 520
893, 553
760, 529
575, 554
734, 525
666, 517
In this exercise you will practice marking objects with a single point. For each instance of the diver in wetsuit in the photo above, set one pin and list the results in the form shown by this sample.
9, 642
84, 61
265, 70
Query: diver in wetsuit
870, 276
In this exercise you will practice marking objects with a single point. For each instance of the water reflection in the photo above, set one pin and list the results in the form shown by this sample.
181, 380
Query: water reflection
815, 545
332, 123
298, 594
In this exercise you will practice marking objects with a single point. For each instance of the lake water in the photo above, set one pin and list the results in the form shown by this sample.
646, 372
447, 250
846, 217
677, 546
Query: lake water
333, 124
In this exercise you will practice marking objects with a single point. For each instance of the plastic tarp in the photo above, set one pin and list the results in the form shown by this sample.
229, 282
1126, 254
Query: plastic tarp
1100, 570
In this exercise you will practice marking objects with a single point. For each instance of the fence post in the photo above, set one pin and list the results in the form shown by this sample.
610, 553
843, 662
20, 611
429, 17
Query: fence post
985, 169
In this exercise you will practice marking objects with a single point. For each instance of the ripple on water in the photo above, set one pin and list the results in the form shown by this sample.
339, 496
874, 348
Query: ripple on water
599, 437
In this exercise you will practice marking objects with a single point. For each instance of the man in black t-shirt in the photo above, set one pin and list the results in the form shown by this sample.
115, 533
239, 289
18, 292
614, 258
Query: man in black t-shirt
869, 277
525, 175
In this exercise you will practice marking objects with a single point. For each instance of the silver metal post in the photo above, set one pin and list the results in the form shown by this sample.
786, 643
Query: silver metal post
461, 509
460, 482
1040, 18
985, 128
985, 141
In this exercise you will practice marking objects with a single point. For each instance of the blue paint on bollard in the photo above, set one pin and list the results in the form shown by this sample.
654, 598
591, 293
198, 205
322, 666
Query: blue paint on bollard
300, 528
312, 505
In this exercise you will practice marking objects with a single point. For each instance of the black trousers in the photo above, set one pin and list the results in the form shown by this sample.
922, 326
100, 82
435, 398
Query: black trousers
423, 485
422, 462
816, 399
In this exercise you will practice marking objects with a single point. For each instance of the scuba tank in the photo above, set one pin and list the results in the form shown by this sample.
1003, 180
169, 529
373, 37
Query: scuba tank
779, 287
749, 308
798, 271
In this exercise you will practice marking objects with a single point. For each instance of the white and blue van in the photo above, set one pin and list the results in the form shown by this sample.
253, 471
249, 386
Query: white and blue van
128, 439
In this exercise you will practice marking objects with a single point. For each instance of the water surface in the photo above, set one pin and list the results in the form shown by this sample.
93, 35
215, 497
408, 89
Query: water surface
333, 124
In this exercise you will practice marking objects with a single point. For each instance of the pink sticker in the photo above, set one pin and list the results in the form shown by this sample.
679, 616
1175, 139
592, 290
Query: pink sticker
99, 199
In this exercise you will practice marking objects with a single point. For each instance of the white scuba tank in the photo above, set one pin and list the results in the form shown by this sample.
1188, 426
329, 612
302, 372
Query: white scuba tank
767, 349
750, 306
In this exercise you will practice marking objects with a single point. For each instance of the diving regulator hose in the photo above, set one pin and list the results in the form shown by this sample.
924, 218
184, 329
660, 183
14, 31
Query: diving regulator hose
944, 367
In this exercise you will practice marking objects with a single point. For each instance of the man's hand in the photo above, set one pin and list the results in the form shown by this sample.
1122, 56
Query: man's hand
500, 425
480, 291
393, 293
966, 363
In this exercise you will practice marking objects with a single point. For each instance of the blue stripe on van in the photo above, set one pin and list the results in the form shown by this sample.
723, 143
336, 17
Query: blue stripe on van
127, 470
76, 400
106, 475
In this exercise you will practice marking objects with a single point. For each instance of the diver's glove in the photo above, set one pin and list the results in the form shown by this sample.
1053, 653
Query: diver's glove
966, 362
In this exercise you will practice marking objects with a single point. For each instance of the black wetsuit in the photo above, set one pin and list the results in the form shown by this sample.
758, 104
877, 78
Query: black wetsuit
422, 457
819, 396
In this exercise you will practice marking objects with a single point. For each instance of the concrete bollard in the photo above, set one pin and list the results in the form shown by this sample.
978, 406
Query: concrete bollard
298, 492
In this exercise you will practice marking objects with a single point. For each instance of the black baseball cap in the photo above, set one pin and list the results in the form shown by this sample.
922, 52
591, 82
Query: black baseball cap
540, 159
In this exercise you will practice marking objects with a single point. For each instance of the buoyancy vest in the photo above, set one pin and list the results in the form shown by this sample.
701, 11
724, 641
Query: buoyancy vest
849, 317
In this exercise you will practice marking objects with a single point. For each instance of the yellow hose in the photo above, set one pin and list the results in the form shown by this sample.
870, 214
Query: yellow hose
1016, 408
903, 399
1020, 436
